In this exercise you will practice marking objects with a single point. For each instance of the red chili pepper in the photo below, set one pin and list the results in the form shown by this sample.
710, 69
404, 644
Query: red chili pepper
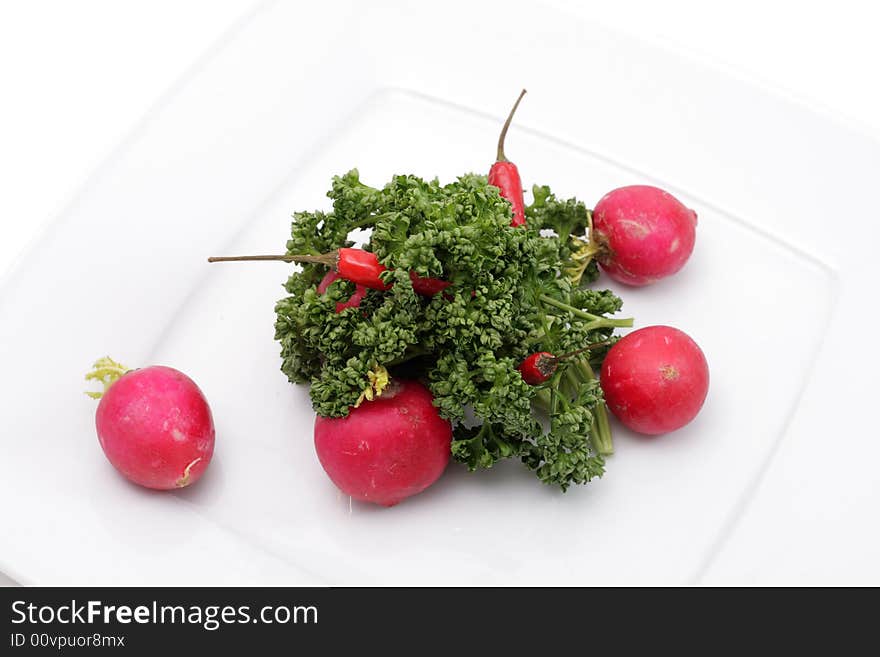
353, 301
427, 286
538, 367
541, 365
361, 267
505, 176
355, 265
329, 277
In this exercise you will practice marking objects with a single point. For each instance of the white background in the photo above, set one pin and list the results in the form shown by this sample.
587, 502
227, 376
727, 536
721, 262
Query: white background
76, 77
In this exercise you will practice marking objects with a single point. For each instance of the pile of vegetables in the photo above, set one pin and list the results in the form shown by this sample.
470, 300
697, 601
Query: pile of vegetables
436, 321
511, 291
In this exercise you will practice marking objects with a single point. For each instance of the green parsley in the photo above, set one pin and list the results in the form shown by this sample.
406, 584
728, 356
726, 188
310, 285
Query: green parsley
513, 291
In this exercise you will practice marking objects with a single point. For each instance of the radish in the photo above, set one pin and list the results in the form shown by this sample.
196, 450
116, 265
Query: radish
643, 234
387, 449
655, 379
154, 424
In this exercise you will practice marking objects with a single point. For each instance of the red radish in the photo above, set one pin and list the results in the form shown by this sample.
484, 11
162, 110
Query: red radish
643, 233
154, 425
387, 449
655, 379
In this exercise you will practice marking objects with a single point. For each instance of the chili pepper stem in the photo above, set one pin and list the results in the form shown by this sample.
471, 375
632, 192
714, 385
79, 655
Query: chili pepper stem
328, 259
501, 157
595, 345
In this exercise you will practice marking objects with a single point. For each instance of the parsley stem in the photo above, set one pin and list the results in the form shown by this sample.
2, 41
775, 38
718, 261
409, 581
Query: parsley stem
564, 306
605, 322
573, 382
554, 394
542, 399
598, 320
410, 353
369, 220
602, 435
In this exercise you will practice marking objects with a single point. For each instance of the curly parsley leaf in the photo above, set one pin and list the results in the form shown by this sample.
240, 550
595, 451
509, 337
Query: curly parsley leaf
513, 291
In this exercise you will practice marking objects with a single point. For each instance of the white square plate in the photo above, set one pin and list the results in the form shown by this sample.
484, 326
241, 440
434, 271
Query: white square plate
255, 134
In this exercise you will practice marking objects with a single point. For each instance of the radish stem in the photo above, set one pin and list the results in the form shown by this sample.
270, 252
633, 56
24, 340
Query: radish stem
107, 371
